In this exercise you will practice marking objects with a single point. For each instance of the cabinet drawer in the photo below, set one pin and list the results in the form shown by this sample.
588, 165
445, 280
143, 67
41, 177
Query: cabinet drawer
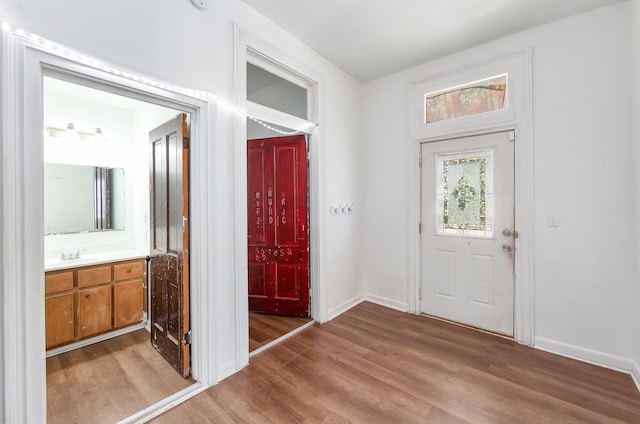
58, 281
94, 276
127, 270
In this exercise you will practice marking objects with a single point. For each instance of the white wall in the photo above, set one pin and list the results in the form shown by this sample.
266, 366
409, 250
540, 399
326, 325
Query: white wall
583, 172
179, 43
634, 19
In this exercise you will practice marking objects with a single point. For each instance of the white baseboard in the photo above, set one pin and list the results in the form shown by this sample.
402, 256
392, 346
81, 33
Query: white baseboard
389, 303
594, 357
344, 307
383, 301
228, 369
635, 374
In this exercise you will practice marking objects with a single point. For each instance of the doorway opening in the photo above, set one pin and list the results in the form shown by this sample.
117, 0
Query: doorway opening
116, 252
279, 284
278, 237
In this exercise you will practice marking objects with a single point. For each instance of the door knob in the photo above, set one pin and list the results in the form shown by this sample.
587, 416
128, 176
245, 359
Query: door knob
506, 247
506, 232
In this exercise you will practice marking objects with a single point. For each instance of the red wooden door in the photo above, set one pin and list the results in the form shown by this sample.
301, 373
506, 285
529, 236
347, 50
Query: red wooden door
169, 266
278, 233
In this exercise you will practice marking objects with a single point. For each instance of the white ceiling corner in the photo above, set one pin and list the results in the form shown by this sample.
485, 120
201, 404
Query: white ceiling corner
372, 38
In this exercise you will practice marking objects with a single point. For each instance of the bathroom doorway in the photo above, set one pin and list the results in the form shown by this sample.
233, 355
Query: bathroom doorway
104, 316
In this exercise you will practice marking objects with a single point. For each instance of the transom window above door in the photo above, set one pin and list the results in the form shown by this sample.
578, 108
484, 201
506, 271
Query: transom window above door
476, 97
275, 92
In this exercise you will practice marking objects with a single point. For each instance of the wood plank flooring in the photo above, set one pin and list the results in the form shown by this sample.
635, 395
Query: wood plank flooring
376, 365
265, 328
108, 381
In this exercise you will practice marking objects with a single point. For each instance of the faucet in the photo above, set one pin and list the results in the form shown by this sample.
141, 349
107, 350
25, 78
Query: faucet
68, 256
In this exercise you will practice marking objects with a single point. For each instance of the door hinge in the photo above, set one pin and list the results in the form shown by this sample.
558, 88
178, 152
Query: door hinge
512, 136
186, 143
420, 293
420, 161
150, 187
187, 338
420, 228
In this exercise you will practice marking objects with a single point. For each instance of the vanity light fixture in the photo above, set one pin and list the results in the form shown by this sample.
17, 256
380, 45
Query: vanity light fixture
72, 133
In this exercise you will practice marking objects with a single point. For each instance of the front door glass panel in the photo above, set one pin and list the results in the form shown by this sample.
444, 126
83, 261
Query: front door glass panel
465, 194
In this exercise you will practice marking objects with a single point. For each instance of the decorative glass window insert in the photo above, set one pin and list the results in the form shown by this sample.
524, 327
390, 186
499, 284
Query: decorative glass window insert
465, 194
469, 99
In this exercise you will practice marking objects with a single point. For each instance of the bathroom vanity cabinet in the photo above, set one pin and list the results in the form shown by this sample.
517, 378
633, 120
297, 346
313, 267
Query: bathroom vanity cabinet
86, 301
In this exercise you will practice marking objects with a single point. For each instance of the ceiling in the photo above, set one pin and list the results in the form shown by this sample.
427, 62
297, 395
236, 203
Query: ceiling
372, 38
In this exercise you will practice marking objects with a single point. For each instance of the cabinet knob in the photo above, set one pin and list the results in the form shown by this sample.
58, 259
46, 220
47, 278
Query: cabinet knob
87, 296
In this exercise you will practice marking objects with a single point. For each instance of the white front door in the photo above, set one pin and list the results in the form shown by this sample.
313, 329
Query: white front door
467, 231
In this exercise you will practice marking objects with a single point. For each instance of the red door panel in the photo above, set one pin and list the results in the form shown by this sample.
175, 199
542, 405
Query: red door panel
278, 225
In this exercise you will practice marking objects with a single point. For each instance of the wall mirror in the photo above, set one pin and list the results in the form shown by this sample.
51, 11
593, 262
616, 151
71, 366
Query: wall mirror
82, 199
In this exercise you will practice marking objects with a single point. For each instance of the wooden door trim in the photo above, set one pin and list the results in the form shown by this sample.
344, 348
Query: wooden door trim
186, 298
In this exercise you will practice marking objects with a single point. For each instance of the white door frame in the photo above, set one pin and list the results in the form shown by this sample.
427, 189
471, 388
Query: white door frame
516, 117
23, 372
251, 48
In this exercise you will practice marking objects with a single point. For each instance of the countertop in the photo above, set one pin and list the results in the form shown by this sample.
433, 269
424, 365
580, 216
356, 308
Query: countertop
53, 264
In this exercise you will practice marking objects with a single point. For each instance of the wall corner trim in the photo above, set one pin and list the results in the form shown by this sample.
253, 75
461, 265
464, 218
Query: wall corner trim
389, 303
344, 307
635, 374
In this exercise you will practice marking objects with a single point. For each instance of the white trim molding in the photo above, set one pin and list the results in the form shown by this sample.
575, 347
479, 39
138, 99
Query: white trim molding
344, 307
517, 117
635, 374
355, 301
389, 303
24, 60
583, 354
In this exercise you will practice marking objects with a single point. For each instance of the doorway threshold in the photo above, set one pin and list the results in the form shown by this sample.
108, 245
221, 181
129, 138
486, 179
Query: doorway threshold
281, 339
164, 405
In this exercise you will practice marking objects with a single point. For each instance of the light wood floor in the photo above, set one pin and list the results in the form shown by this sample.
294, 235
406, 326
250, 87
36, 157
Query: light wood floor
265, 328
108, 381
375, 365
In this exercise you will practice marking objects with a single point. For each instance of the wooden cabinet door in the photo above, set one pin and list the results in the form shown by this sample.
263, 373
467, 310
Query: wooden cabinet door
59, 319
94, 311
127, 302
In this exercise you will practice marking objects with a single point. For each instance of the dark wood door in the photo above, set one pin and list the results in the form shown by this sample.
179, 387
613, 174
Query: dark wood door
169, 265
278, 233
